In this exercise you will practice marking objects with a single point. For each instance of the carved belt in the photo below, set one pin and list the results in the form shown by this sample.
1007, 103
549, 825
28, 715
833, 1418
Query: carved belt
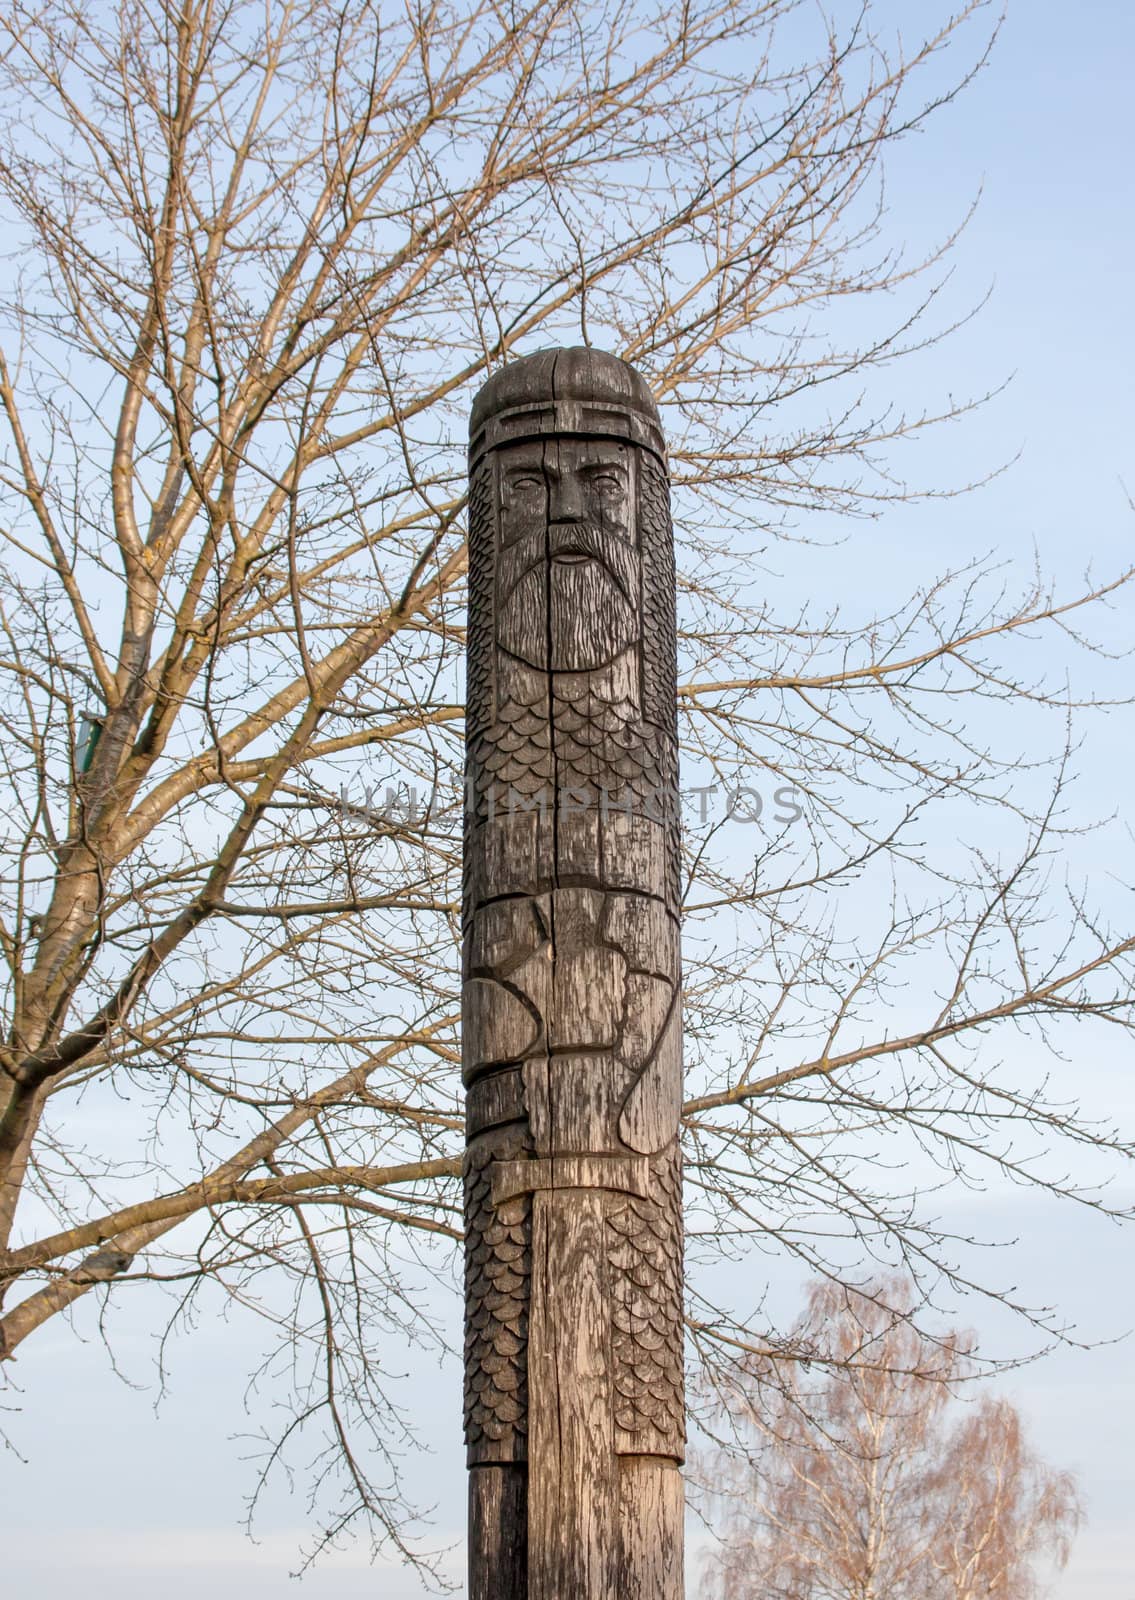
624, 1174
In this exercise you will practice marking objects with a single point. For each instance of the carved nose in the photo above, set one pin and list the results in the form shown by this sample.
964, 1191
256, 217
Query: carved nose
565, 503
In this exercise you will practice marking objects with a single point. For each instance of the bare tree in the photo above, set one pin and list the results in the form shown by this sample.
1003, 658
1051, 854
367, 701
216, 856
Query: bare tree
1001, 1509
262, 254
868, 1480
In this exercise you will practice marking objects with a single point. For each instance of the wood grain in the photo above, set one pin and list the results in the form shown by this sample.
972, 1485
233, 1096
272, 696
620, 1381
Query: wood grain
571, 1037
498, 1529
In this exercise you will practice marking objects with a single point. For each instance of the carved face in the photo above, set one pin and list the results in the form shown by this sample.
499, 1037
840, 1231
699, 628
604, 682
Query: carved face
568, 565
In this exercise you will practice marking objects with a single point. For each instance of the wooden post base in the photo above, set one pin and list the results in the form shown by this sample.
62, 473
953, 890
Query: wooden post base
498, 1532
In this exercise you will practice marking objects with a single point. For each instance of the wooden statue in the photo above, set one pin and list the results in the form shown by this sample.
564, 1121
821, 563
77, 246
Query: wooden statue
571, 1013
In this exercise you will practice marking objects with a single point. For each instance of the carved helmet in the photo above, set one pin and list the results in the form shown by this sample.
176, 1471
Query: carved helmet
574, 391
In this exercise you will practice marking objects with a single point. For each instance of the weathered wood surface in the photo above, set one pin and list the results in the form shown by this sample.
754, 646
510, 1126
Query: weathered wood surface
498, 1531
571, 1031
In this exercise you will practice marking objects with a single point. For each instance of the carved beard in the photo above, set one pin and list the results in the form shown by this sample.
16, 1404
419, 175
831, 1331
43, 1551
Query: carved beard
591, 582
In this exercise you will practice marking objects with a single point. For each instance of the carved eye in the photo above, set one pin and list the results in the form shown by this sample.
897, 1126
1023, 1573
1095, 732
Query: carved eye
607, 483
526, 483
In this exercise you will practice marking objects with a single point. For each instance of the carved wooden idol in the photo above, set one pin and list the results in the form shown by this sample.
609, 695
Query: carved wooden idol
571, 1014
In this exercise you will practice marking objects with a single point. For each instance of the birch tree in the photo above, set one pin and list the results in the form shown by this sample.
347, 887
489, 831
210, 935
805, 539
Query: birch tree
867, 1478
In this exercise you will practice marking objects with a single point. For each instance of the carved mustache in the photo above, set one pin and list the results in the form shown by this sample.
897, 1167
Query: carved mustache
585, 541
572, 539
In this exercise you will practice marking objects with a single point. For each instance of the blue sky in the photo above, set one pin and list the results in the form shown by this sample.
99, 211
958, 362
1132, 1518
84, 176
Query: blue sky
135, 1498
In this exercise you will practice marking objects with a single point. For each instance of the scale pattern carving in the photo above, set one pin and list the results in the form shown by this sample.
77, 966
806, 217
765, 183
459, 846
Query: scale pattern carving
498, 1271
646, 1253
